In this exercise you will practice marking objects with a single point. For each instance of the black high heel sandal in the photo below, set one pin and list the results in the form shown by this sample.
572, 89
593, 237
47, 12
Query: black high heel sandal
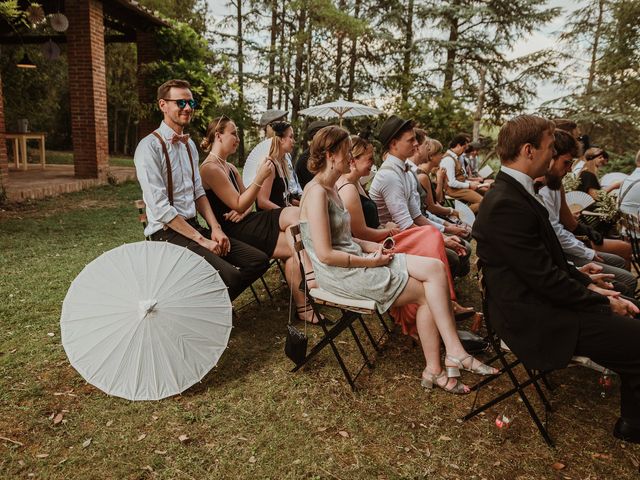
302, 309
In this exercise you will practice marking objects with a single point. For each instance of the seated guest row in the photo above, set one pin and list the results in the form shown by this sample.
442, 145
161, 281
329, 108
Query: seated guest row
541, 305
240, 241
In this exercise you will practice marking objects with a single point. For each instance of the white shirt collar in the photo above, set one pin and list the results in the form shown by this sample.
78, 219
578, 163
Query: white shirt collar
393, 160
522, 178
166, 131
451, 153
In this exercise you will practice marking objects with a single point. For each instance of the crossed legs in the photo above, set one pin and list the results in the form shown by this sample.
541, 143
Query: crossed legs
428, 288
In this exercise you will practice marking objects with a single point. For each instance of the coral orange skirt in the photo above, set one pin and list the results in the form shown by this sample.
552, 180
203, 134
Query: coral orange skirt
425, 241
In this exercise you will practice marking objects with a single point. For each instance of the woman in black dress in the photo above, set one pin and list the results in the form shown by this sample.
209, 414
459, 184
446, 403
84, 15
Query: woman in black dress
594, 159
232, 204
274, 192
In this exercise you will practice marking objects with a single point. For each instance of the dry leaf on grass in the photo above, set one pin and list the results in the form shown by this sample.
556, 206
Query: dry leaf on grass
141, 437
160, 452
86, 443
184, 438
444, 438
42, 455
344, 434
109, 423
57, 419
322, 429
252, 459
558, 466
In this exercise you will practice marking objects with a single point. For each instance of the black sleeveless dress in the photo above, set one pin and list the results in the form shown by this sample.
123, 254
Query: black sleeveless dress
369, 208
279, 191
258, 229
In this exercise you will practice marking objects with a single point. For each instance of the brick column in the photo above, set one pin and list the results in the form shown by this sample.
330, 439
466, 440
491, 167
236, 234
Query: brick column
147, 53
87, 88
4, 161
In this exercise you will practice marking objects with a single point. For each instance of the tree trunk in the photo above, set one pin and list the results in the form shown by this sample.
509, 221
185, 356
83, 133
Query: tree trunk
125, 148
477, 116
272, 52
299, 64
449, 68
337, 90
405, 81
353, 59
240, 82
594, 48
308, 62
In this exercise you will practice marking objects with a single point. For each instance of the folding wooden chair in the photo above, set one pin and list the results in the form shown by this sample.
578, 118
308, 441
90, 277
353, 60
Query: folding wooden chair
351, 313
518, 386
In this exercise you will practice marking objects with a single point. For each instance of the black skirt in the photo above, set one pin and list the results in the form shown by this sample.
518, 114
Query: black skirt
258, 229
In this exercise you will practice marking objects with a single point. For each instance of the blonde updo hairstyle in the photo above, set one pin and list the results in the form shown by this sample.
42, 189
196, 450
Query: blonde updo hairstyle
217, 125
328, 140
360, 146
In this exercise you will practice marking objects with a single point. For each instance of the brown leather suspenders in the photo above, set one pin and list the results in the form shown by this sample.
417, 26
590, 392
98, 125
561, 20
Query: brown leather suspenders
169, 174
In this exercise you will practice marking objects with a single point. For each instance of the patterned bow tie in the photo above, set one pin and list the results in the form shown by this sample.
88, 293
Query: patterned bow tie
179, 138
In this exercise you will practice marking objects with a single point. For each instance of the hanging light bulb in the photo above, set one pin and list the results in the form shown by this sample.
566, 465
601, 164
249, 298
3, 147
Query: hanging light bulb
26, 62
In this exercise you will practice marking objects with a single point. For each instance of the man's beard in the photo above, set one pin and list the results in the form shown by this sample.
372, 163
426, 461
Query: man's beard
553, 181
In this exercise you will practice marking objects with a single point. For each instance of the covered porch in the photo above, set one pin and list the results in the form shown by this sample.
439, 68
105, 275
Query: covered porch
91, 24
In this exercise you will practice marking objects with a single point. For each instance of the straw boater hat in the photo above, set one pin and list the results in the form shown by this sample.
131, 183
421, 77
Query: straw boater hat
271, 116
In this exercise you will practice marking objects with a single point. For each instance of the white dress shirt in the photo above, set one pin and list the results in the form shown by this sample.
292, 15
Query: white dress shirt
448, 162
151, 169
629, 193
552, 200
395, 194
577, 167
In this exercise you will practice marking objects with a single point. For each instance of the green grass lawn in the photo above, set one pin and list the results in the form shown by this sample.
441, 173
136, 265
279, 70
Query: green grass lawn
250, 417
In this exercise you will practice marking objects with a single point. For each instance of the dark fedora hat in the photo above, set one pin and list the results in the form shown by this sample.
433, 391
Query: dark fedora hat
391, 127
315, 126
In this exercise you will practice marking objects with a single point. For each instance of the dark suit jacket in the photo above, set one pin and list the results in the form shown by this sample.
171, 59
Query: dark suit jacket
534, 297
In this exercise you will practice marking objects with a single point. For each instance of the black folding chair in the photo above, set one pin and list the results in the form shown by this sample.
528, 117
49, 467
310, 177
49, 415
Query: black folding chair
631, 233
531, 377
351, 315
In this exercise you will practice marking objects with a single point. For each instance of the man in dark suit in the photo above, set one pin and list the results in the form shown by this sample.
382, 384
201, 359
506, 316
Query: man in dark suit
542, 307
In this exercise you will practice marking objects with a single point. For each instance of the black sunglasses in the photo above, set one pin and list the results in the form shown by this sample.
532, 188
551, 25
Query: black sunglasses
182, 103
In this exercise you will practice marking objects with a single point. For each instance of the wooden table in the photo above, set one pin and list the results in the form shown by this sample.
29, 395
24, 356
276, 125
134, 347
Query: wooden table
20, 147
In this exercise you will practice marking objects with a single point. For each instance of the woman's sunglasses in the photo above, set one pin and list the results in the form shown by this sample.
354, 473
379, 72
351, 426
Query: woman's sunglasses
182, 103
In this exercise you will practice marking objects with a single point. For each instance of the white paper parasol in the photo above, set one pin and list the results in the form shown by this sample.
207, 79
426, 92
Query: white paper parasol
146, 320
466, 214
340, 109
255, 158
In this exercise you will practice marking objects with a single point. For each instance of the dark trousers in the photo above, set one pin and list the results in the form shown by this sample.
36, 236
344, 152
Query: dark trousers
612, 341
242, 266
460, 266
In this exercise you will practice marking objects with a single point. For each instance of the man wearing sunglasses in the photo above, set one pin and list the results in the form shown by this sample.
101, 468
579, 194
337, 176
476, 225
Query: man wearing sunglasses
167, 168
